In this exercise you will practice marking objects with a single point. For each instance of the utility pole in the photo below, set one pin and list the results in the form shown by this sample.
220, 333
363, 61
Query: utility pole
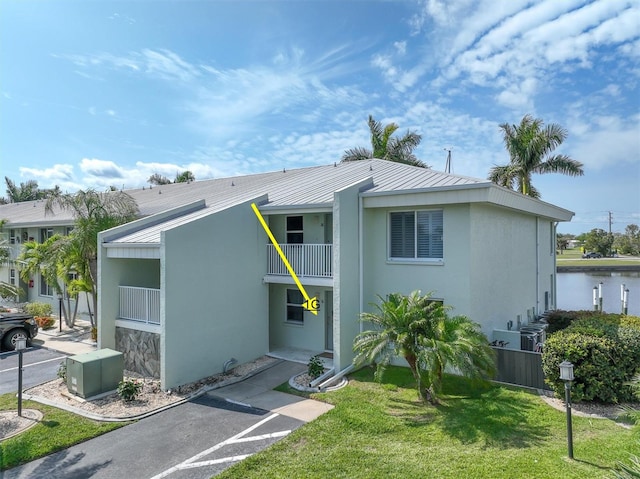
610, 220
447, 166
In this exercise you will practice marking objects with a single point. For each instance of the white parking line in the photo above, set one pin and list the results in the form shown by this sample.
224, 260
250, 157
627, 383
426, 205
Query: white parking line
191, 462
33, 364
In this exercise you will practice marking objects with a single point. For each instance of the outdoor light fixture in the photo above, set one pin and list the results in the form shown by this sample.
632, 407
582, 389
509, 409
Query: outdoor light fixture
21, 344
595, 298
566, 374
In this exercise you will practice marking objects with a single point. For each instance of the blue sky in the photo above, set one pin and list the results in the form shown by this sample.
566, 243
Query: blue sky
100, 93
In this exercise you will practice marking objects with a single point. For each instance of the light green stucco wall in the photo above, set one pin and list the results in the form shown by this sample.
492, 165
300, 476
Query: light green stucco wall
346, 273
449, 280
310, 335
215, 306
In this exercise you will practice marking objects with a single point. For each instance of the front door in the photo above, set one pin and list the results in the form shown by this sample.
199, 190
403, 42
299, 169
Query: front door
328, 321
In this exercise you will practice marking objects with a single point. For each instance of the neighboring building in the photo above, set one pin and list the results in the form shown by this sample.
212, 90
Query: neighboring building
195, 283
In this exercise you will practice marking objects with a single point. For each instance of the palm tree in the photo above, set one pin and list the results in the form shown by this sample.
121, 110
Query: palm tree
530, 145
93, 212
44, 259
419, 329
386, 147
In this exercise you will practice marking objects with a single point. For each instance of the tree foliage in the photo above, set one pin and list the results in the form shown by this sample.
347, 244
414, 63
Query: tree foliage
158, 179
418, 329
185, 177
629, 241
530, 146
93, 212
387, 147
598, 240
28, 191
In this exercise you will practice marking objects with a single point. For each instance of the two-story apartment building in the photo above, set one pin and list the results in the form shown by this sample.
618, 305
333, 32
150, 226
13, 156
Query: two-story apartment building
185, 289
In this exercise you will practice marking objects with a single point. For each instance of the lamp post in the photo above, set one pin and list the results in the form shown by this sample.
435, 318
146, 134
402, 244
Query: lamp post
21, 345
595, 298
60, 310
625, 302
566, 374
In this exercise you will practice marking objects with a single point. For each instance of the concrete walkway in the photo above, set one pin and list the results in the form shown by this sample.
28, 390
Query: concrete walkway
71, 341
257, 392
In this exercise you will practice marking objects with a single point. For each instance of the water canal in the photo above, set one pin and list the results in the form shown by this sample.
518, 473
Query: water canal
575, 290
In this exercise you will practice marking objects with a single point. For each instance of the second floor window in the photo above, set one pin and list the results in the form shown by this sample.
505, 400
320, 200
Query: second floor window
416, 235
294, 230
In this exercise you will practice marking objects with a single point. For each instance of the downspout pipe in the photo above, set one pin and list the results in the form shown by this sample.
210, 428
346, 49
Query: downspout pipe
333, 379
322, 377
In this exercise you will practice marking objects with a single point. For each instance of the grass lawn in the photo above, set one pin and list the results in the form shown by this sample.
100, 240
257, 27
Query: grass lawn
573, 257
58, 430
383, 431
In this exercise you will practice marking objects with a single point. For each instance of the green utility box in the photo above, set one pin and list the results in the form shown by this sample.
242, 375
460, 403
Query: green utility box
94, 373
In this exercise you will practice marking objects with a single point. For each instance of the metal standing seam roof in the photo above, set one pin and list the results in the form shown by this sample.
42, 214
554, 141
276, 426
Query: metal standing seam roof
301, 187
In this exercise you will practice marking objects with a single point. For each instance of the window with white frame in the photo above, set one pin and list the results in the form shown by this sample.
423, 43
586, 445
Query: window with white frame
295, 311
12, 237
294, 230
12, 276
416, 235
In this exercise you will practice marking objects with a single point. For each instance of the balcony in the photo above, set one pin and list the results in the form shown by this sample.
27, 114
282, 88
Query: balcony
140, 304
307, 260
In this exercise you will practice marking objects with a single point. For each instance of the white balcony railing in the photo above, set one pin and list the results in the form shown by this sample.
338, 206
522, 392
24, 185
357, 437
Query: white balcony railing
307, 260
140, 304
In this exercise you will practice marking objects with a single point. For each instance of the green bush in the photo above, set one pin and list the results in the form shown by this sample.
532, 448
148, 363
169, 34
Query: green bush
38, 309
605, 352
128, 389
315, 367
62, 370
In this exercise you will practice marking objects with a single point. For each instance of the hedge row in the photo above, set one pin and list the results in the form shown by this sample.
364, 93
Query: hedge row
604, 350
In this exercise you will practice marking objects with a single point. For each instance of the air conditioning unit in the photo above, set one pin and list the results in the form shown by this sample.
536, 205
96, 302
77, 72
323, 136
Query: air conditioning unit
94, 373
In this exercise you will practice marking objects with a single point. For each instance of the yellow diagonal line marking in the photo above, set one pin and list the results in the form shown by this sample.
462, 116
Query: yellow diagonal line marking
310, 304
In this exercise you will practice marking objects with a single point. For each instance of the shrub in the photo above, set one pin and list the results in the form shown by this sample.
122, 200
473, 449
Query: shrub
128, 389
44, 322
315, 367
62, 370
605, 356
38, 309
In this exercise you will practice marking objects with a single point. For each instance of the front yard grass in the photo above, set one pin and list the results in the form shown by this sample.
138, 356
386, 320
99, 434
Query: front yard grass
57, 430
381, 430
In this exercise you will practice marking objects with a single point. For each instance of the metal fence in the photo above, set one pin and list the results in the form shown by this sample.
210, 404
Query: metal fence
523, 368
140, 304
311, 260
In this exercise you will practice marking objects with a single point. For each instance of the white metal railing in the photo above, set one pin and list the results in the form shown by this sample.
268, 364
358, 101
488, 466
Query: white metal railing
307, 260
140, 304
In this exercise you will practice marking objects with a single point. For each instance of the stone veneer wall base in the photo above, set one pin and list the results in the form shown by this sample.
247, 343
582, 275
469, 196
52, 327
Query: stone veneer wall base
141, 351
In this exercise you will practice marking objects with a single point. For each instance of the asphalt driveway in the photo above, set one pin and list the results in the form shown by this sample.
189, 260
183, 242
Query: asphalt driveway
193, 441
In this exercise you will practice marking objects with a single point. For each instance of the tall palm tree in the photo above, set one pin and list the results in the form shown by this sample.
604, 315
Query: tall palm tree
93, 212
419, 329
387, 147
530, 146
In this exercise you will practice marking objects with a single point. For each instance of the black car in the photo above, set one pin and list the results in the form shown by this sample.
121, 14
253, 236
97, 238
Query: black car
14, 326
592, 255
